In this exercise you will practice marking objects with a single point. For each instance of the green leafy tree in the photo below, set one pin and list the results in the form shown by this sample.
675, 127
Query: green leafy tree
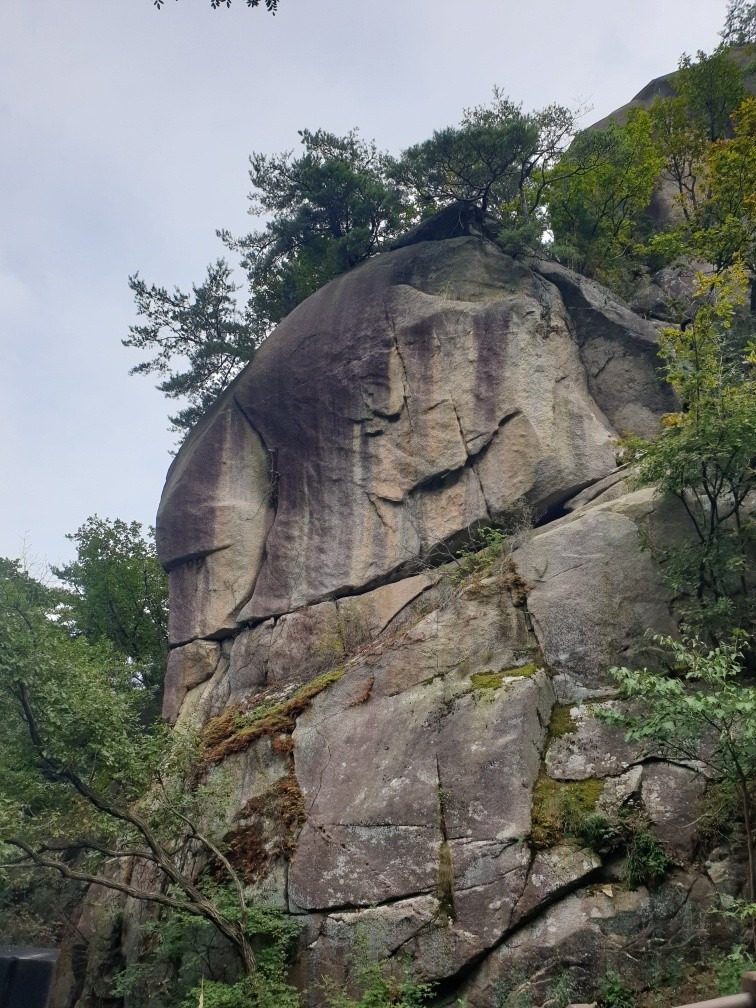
724, 230
200, 340
89, 793
682, 146
180, 961
599, 198
497, 159
119, 594
716, 184
704, 455
705, 714
711, 87
328, 208
740, 23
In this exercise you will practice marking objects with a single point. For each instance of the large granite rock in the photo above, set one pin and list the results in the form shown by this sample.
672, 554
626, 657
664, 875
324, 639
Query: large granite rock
434, 387
427, 710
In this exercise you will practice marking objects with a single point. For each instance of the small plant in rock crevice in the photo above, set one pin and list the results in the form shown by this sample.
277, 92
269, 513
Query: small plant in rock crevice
613, 992
646, 861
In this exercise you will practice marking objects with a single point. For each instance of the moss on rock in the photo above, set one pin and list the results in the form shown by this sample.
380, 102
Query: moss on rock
235, 729
563, 809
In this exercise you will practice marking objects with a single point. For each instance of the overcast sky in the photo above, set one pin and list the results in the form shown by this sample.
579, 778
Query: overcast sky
125, 135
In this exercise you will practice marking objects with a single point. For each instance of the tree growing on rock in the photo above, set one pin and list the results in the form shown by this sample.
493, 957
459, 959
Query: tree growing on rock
498, 159
599, 197
327, 208
704, 455
200, 340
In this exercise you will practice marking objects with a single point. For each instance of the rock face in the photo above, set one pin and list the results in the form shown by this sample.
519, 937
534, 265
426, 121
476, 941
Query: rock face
433, 707
437, 386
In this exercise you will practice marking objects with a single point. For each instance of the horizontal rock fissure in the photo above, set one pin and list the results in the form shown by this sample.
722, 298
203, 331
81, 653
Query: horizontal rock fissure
188, 558
360, 908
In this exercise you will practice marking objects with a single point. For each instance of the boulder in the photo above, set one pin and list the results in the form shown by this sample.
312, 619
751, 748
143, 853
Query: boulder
435, 387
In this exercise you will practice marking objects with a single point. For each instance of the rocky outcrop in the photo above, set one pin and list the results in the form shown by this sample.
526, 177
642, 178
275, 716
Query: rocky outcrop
403, 724
437, 386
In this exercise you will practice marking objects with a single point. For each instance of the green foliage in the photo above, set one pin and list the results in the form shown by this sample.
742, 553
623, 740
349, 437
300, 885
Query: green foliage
599, 195
740, 23
489, 159
516, 989
704, 454
328, 209
484, 546
250, 992
119, 594
704, 714
88, 717
613, 993
85, 786
715, 182
705, 699
725, 229
682, 147
378, 988
646, 861
711, 88
566, 810
181, 955
729, 969
200, 340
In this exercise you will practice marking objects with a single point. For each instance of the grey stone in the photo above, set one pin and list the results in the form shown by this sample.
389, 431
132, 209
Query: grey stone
434, 387
595, 594
188, 666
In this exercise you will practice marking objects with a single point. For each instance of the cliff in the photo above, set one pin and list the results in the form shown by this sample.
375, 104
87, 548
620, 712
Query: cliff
403, 717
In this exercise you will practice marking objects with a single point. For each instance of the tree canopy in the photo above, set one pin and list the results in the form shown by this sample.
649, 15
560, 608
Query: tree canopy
699, 142
587, 200
327, 207
488, 159
740, 23
704, 455
88, 789
118, 594
599, 197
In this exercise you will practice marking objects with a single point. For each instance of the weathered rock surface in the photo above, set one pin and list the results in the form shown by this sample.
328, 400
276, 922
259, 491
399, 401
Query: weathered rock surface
436, 386
311, 525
